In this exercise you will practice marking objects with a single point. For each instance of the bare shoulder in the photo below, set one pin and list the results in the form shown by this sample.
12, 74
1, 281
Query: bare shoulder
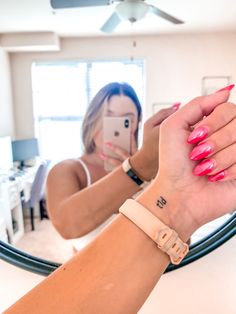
69, 169
64, 166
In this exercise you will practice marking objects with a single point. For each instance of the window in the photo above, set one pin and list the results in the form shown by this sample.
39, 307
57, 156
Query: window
61, 94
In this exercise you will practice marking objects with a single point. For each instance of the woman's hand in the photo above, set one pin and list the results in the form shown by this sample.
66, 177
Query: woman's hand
121, 153
183, 182
148, 153
145, 161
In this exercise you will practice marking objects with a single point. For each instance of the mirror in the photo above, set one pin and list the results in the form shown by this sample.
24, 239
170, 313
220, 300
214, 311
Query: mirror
19, 50
197, 250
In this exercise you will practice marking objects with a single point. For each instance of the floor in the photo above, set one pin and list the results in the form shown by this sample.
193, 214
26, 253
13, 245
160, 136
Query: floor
45, 242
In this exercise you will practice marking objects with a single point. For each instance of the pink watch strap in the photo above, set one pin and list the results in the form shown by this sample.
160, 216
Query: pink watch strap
166, 238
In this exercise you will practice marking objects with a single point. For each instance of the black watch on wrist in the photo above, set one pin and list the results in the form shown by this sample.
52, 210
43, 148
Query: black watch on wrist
131, 173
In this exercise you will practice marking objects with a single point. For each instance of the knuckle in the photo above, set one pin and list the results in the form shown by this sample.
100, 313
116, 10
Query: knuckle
225, 111
165, 125
232, 170
162, 111
198, 99
233, 106
225, 107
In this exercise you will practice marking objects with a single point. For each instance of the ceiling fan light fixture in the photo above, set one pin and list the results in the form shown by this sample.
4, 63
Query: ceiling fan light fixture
132, 10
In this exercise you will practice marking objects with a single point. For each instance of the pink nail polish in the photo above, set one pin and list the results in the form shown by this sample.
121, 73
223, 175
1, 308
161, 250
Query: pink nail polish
197, 135
218, 176
102, 156
201, 151
229, 87
204, 167
176, 105
108, 144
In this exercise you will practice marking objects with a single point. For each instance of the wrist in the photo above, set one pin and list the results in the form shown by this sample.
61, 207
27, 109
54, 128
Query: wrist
141, 166
167, 205
166, 238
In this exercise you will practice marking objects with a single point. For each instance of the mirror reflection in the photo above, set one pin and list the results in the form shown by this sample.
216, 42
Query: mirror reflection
46, 104
41, 222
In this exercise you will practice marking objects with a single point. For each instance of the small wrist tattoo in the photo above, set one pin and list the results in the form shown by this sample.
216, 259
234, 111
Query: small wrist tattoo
161, 202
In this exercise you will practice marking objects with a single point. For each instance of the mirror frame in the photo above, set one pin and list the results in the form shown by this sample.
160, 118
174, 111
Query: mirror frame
199, 249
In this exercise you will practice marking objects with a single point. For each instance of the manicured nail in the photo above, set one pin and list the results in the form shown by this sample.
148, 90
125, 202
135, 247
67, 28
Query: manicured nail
102, 156
201, 151
197, 135
204, 167
218, 176
176, 105
229, 87
108, 144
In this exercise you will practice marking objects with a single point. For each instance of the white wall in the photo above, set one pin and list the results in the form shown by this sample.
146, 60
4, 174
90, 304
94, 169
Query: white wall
6, 109
175, 65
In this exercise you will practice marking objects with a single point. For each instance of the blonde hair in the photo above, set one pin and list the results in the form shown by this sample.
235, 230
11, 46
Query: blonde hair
93, 116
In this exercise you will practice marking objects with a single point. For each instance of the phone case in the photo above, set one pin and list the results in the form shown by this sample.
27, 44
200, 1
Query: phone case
116, 130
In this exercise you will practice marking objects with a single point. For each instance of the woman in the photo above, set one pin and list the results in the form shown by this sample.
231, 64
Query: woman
118, 270
80, 194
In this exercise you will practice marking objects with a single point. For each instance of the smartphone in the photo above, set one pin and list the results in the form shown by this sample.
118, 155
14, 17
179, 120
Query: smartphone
117, 131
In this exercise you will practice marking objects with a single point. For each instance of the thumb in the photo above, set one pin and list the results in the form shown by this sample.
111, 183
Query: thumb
133, 145
160, 116
196, 109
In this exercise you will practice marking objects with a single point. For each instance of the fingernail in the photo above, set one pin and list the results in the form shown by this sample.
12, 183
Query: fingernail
229, 87
197, 135
218, 176
204, 167
102, 156
176, 105
108, 144
201, 151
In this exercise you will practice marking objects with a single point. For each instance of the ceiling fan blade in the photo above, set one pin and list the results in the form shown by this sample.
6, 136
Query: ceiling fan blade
110, 25
164, 15
62, 4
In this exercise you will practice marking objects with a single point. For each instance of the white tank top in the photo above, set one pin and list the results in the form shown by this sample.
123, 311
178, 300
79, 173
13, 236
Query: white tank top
88, 176
81, 242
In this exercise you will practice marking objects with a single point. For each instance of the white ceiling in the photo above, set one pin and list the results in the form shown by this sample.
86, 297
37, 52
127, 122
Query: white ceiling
37, 15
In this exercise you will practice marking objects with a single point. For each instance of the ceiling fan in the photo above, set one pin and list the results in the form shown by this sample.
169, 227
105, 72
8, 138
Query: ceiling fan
131, 10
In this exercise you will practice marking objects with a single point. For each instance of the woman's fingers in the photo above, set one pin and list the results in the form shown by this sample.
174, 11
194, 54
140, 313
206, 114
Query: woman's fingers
134, 147
161, 115
222, 160
195, 110
121, 153
224, 175
115, 162
220, 117
218, 150
222, 138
